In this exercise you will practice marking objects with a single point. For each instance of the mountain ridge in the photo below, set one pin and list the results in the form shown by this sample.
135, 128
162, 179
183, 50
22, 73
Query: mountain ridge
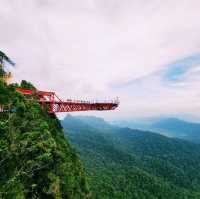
171, 127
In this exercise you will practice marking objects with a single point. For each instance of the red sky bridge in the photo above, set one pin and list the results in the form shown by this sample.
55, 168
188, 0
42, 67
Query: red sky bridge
54, 104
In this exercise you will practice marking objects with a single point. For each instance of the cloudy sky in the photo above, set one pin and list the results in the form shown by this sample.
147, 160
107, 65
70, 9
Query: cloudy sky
145, 52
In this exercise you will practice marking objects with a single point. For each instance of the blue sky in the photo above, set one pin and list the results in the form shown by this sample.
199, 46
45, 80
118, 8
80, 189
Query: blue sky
175, 71
146, 53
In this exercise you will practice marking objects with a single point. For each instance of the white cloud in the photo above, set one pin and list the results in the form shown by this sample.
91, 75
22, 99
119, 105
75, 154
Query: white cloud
81, 48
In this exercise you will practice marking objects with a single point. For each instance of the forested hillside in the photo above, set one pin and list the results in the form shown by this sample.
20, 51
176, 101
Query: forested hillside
36, 161
124, 163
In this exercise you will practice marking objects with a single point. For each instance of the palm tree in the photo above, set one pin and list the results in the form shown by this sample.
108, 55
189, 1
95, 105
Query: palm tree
5, 58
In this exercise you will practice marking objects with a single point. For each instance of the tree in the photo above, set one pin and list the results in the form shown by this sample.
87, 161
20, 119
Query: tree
5, 58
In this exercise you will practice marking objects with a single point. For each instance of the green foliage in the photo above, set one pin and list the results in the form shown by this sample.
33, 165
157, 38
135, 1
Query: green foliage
124, 163
35, 159
2, 72
27, 85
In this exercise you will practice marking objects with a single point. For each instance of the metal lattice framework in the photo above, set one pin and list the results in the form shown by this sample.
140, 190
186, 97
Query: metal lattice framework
54, 104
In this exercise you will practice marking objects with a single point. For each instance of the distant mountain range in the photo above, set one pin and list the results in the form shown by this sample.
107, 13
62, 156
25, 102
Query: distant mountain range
171, 127
125, 163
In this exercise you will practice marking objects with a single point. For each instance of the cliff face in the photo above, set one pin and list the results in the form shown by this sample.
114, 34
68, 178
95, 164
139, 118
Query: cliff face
36, 161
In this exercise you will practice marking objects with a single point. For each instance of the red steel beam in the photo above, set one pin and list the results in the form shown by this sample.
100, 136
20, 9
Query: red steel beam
24, 91
73, 107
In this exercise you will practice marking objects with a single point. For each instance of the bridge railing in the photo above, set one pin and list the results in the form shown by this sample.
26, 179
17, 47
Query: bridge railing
114, 101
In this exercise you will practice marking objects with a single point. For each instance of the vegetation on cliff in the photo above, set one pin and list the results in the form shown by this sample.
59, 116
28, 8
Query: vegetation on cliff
36, 161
